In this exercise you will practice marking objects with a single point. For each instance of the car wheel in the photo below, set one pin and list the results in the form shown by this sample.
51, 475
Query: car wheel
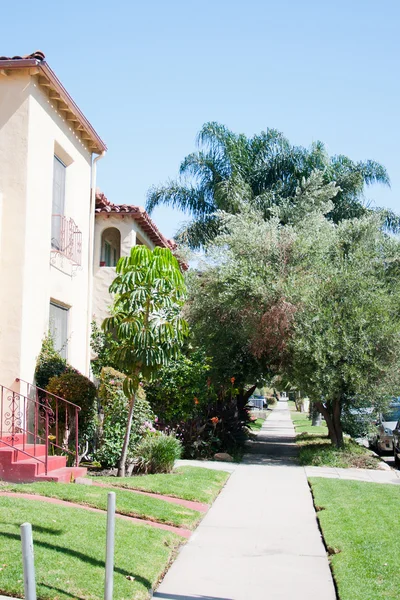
396, 458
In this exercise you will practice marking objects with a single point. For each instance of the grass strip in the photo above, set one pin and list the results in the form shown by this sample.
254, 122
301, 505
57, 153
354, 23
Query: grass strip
69, 546
256, 425
190, 483
128, 503
362, 532
316, 449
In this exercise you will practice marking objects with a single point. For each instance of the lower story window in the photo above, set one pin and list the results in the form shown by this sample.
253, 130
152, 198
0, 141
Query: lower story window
58, 327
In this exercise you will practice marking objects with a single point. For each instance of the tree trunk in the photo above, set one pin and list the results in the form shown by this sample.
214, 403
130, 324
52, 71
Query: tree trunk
337, 410
124, 452
333, 422
328, 419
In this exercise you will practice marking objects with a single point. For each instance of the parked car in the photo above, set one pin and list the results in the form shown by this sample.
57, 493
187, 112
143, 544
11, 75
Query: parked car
382, 438
259, 402
396, 444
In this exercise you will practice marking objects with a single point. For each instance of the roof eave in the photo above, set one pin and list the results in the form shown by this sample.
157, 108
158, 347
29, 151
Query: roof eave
73, 113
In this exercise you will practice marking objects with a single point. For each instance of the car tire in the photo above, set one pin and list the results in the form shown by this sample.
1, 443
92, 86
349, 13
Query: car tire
396, 459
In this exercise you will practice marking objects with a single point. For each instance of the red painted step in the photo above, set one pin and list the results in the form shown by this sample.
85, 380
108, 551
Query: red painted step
17, 467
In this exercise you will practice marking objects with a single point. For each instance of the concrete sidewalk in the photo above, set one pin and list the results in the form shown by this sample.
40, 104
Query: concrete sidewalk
260, 539
389, 476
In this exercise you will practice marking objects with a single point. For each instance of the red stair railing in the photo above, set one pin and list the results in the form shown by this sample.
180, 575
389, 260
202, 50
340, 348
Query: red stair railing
62, 416
15, 411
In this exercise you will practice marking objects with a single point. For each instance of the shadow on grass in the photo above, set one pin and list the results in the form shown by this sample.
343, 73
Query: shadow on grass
60, 591
81, 556
312, 436
41, 529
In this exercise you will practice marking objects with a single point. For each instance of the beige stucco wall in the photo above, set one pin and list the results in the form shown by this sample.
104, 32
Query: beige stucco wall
104, 276
31, 132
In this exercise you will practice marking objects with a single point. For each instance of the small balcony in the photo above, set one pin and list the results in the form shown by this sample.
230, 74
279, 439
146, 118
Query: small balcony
66, 239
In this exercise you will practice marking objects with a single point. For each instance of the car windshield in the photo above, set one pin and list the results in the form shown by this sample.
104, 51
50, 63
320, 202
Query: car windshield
393, 414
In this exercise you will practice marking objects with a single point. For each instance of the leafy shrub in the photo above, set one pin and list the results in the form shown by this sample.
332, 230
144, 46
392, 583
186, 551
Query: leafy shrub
157, 453
49, 363
114, 414
172, 393
103, 346
76, 388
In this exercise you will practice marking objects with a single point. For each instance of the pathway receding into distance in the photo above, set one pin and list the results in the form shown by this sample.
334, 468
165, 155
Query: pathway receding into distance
260, 539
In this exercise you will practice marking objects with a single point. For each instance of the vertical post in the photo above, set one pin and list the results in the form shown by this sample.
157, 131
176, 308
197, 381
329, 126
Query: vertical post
28, 562
109, 581
46, 456
76, 437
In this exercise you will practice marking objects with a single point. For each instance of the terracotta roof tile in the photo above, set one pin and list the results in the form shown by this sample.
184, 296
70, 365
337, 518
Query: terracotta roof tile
37, 55
103, 205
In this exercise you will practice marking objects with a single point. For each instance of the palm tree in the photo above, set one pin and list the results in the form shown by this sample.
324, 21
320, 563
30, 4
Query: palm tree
229, 169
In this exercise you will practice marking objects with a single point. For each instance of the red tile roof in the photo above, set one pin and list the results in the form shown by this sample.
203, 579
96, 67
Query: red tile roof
37, 55
103, 205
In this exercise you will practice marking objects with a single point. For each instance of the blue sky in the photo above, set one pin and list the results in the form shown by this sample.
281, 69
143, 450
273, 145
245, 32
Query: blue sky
148, 74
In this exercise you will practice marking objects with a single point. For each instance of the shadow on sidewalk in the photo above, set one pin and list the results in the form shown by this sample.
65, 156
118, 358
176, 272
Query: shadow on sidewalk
272, 449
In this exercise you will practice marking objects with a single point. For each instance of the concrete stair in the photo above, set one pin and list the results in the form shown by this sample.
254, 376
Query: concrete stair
17, 467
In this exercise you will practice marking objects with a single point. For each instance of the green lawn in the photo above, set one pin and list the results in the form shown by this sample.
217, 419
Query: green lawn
189, 483
319, 452
128, 503
69, 546
316, 449
256, 425
302, 423
362, 531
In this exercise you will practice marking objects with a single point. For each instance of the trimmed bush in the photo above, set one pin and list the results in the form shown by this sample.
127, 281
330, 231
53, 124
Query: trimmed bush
49, 363
157, 453
77, 388
114, 415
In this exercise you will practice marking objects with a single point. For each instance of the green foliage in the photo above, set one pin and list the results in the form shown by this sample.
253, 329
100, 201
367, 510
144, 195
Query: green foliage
103, 345
78, 389
173, 392
49, 363
264, 171
315, 303
157, 453
319, 452
147, 322
114, 414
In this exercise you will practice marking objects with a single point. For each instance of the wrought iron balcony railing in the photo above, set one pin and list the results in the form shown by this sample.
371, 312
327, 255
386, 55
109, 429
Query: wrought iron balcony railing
66, 238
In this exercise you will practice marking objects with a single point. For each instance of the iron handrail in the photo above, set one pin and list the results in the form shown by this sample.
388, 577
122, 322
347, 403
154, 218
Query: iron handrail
15, 417
31, 385
71, 414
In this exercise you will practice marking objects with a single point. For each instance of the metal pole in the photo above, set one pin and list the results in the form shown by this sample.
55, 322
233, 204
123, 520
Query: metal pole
28, 562
109, 582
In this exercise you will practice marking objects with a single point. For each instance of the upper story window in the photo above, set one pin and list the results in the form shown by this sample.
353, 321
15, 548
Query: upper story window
110, 247
66, 238
58, 326
58, 206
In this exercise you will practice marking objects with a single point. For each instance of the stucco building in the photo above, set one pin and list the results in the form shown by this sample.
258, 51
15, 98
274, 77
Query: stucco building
59, 240
118, 227
59, 244
47, 155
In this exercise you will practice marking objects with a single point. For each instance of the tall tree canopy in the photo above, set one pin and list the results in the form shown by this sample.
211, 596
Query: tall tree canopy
315, 302
230, 170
